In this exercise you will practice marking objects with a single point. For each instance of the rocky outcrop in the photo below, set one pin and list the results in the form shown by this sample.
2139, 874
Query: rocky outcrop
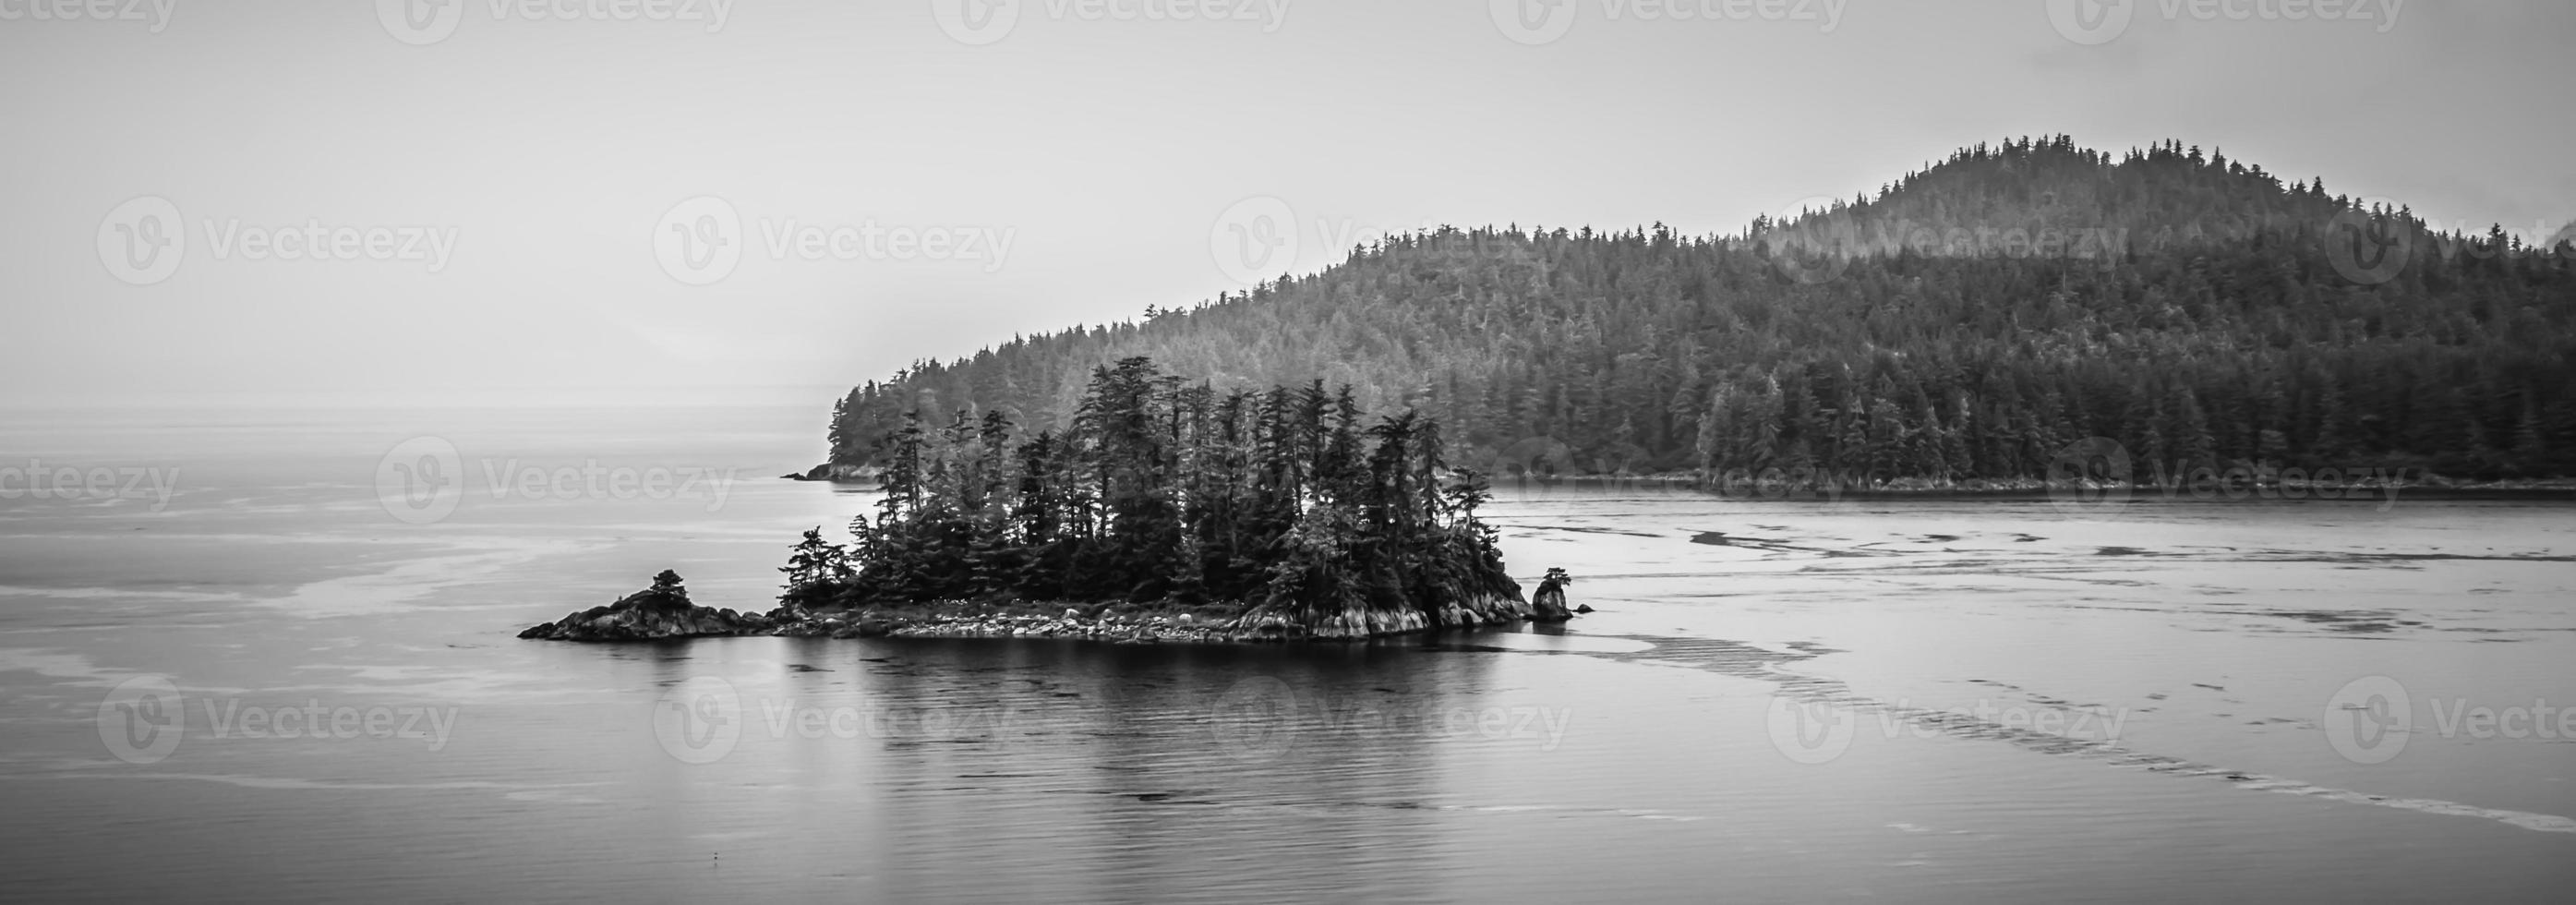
837, 473
659, 613
1548, 605
664, 612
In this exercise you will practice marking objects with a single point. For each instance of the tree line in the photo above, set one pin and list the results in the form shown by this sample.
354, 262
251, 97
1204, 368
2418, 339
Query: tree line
2209, 313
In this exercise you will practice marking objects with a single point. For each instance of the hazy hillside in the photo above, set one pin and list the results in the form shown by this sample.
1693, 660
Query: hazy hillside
1967, 321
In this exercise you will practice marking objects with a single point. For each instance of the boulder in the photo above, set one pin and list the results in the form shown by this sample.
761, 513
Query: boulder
1549, 603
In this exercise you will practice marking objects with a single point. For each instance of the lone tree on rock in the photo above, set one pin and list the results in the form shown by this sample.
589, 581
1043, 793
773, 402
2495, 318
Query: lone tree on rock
667, 592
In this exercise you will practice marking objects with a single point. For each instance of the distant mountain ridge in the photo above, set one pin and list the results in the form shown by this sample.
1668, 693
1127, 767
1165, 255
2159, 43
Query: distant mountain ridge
1966, 322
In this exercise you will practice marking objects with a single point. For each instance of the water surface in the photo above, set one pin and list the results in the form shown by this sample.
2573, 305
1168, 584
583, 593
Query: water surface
1917, 701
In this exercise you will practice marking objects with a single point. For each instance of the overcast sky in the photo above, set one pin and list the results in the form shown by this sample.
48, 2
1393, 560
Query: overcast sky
504, 195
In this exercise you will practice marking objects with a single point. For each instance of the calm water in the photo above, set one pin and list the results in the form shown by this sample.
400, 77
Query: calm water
1937, 701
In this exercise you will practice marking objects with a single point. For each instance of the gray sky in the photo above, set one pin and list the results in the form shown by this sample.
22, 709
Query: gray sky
500, 188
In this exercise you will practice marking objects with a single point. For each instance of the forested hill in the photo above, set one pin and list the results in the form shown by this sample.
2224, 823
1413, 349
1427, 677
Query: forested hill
1965, 322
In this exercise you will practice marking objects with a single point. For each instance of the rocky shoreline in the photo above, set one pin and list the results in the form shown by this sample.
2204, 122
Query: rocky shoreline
837, 474
664, 613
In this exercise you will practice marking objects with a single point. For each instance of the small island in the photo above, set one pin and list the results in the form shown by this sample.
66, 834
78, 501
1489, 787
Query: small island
1165, 511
